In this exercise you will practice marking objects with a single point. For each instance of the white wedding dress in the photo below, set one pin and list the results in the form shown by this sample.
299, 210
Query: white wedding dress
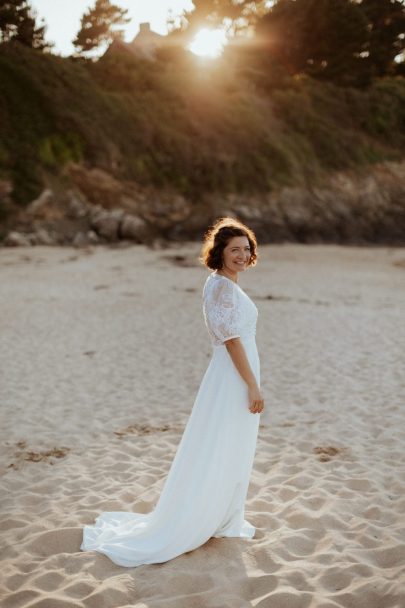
204, 493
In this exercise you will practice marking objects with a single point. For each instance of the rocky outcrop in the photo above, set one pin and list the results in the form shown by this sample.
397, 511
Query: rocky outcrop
83, 239
106, 223
17, 239
20, 239
345, 208
134, 229
71, 220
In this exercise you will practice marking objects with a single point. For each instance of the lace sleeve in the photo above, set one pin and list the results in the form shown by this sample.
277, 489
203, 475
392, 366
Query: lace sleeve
221, 311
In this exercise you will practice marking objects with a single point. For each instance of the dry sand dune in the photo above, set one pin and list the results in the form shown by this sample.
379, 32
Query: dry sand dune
102, 354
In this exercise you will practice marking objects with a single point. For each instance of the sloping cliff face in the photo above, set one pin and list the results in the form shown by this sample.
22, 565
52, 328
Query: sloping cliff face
170, 126
347, 207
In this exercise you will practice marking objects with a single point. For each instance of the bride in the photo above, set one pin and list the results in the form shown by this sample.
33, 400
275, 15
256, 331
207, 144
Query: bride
204, 493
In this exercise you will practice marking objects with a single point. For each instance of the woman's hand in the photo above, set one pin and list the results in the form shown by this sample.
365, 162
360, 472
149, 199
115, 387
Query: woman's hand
238, 355
256, 401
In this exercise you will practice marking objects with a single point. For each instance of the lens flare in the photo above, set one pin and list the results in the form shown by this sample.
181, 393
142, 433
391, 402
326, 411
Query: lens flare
208, 43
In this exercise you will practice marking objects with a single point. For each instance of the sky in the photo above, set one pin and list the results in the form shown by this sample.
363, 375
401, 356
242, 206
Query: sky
62, 17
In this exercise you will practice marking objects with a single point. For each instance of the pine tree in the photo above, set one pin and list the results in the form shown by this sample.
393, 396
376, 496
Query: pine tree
18, 23
386, 24
236, 14
98, 26
325, 39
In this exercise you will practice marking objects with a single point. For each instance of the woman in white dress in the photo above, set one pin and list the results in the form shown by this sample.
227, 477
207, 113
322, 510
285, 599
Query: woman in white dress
204, 493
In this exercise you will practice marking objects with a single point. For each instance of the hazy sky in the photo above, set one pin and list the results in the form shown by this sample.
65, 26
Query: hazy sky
63, 17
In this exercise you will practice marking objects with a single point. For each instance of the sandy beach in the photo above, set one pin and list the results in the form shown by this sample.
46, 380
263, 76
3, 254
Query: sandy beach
102, 353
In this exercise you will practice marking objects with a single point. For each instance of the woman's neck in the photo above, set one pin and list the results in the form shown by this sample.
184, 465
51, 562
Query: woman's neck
233, 278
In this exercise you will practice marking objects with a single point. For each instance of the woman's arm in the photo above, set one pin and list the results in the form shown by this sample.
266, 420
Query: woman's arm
238, 355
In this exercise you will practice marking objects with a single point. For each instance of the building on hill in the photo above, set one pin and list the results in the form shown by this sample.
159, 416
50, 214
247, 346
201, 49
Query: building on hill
146, 41
144, 45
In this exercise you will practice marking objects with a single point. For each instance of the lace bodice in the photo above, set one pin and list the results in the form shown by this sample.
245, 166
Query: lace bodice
228, 311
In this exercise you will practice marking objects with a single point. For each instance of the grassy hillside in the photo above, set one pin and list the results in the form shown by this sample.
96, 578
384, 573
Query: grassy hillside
177, 123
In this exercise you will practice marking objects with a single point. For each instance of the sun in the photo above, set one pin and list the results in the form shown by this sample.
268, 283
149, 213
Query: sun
208, 43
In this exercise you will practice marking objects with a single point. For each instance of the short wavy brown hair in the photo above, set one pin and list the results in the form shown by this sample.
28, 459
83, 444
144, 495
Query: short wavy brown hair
218, 236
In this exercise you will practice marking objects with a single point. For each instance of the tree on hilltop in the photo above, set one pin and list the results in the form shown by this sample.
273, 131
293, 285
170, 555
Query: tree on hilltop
345, 41
18, 23
235, 15
386, 25
98, 26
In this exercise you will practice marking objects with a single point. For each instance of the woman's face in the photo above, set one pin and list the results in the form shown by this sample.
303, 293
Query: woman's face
236, 254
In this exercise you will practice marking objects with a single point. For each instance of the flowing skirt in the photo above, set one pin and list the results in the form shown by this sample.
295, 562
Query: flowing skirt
204, 493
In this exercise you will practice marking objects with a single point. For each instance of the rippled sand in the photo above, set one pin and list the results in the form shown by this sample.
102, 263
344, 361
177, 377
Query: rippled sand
102, 354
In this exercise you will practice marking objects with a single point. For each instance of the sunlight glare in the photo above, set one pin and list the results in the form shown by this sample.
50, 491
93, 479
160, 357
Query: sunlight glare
208, 43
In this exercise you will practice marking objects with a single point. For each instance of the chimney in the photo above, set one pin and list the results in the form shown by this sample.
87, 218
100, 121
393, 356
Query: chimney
144, 28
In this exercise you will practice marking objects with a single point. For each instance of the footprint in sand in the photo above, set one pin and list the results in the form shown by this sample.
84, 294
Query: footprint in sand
181, 260
326, 452
270, 297
287, 299
187, 289
71, 258
142, 429
22, 454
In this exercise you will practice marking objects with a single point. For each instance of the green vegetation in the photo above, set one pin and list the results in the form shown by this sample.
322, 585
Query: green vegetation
179, 123
342, 41
98, 25
18, 23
